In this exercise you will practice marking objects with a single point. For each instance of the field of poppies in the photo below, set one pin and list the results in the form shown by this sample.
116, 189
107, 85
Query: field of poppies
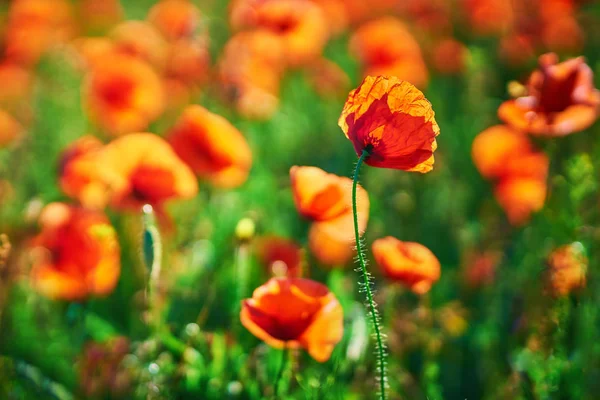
299, 199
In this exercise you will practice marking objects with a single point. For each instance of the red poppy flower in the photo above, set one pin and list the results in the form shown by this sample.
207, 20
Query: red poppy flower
393, 121
175, 19
520, 197
133, 170
212, 147
78, 253
282, 256
561, 99
410, 263
295, 313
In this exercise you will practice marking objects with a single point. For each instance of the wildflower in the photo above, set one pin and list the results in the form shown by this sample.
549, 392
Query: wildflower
250, 71
123, 94
212, 147
385, 46
567, 268
392, 121
327, 78
325, 199
142, 40
188, 61
300, 26
282, 256
520, 197
99, 15
561, 99
133, 170
410, 263
175, 19
78, 253
450, 56
295, 313
490, 17
480, 267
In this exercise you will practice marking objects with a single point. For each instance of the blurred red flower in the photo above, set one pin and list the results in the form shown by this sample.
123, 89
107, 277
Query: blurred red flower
385, 46
326, 199
212, 147
520, 197
142, 40
133, 170
123, 94
282, 256
410, 263
77, 253
393, 121
295, 313
10, 129
175, 19
561, 99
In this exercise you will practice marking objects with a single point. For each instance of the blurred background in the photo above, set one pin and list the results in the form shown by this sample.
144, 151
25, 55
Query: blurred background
101, 301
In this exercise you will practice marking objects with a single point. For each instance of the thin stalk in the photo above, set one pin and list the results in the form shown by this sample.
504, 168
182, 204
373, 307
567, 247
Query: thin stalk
367, 283
284, 357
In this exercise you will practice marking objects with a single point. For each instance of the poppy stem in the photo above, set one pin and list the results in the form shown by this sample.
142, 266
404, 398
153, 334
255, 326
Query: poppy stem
284, 357
367, 282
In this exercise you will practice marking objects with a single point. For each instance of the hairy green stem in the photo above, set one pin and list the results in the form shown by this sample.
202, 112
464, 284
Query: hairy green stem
367, 283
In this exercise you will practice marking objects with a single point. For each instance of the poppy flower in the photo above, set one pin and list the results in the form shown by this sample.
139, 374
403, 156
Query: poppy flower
250, 71
495, 148
78, 253
299, 24
520, 197
33, 26
561, 99
92, 51
567, 268
212, 147
16, 83
123, 94
142, 40
10, 129
490, 17
282, 256
449, 56
393, 121
480, 268
188, 61
133, 170
326, 199
175, 19
289, 313
385, 46
410, 263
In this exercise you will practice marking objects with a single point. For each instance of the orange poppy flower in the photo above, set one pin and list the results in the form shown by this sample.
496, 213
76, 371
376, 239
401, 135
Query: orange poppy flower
567, 269
188, 61
133, 170
490, 17
16, 83
34, 26
140, 39
329, 246
299, 24
10, 129
385, 46
520, 197
212, 147
410, 263
282, 256
450, 56
123, 94
493, 148
393, 121
250, 71
78, 254
175, 19
561, 99
326, 199
92, 51
295, 313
